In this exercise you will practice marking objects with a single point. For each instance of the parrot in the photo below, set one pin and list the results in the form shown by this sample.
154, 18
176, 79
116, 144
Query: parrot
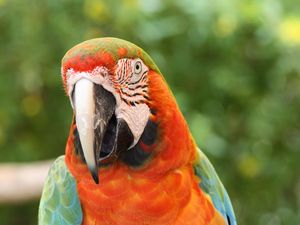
130, 157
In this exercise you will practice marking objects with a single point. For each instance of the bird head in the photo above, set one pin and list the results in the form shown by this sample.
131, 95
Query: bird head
109, 82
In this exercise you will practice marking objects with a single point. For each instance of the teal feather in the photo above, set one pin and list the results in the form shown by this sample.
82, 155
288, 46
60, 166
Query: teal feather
211, 185
60, 204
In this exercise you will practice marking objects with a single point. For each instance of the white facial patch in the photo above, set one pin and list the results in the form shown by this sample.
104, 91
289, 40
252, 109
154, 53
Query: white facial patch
132, 77
129, 85
136, 118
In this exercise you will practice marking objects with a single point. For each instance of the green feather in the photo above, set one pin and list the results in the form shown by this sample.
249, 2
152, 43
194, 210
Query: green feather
60, 203
211, 185
110, 45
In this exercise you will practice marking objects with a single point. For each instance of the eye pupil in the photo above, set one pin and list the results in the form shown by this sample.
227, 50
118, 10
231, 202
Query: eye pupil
138, 67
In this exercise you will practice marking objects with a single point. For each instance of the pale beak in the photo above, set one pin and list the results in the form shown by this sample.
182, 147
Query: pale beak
102, 135
84, 113
92, 120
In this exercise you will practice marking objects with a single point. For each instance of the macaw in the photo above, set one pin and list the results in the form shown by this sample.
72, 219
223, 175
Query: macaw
130, 157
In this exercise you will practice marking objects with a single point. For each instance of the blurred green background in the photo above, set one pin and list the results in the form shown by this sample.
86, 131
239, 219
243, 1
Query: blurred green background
234, 67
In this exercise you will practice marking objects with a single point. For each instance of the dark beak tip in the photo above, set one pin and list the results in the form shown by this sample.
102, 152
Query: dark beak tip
95, 177
94, 173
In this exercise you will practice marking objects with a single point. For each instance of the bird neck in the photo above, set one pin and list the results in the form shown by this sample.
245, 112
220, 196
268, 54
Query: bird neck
175, 146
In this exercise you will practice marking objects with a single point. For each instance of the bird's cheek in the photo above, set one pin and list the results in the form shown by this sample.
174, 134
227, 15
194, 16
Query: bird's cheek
136, 118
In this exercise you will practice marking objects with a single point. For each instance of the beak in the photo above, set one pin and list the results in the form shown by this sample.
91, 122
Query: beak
101, 134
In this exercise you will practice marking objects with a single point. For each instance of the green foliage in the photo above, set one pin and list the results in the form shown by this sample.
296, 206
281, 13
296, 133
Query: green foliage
233, 66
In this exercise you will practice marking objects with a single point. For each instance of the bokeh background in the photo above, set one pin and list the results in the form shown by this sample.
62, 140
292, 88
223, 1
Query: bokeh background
234, 67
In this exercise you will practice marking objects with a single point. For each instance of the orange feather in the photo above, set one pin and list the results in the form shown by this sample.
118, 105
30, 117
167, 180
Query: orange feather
163, 191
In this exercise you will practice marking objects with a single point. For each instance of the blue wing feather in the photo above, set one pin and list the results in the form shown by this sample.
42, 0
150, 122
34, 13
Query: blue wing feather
211, 184
60, 203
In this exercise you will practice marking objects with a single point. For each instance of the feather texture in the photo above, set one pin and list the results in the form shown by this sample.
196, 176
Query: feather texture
59, 204
211, 185
164, 180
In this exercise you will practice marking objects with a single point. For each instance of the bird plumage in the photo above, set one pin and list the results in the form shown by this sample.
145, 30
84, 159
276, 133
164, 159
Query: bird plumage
164, 178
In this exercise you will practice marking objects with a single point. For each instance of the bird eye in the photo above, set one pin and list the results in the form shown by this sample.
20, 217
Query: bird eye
137, 67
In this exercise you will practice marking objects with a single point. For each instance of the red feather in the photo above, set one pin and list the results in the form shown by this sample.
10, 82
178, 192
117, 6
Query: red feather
162, 191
